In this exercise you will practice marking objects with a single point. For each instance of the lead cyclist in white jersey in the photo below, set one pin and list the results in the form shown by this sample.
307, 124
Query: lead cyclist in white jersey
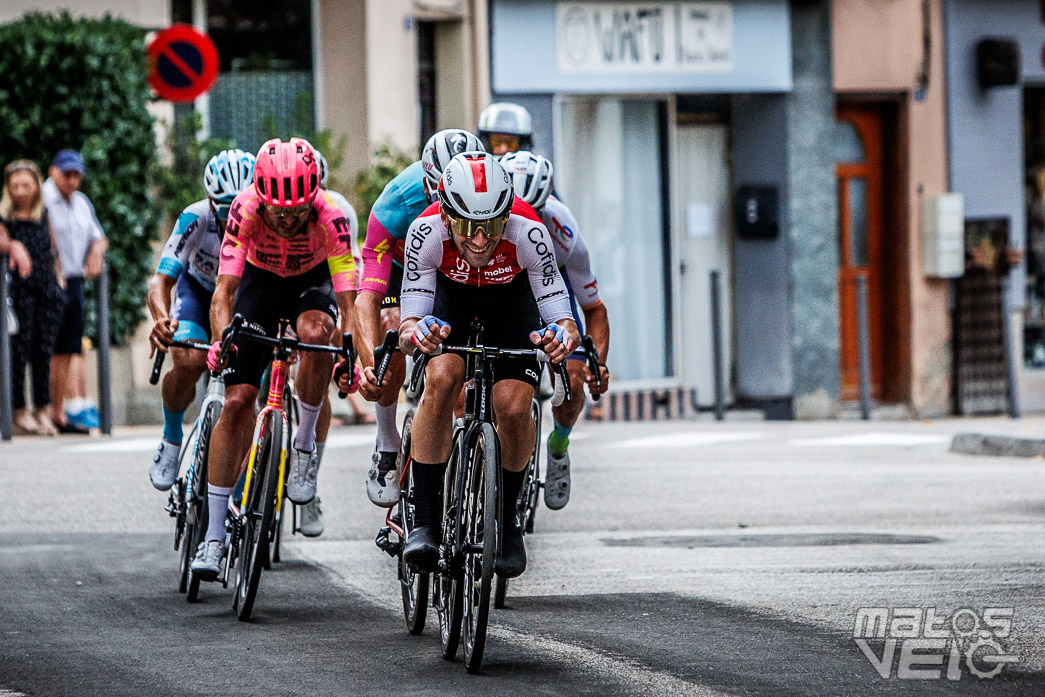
532, 178
472, 257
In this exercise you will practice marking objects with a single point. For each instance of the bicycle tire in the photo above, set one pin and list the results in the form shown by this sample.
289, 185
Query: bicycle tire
529, 496
484, 471
258, 517
413, 586
198, 531
449, 591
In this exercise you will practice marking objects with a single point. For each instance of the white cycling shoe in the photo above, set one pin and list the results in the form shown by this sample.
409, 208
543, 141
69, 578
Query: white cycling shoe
207, 563
310, 519
557, 481
304, 469
164, 465
382, 484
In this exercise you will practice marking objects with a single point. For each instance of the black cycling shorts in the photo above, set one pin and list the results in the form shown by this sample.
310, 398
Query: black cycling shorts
263, 298
508, 313
395, 285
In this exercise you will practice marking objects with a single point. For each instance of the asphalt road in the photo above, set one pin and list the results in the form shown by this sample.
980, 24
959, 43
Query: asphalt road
695, 558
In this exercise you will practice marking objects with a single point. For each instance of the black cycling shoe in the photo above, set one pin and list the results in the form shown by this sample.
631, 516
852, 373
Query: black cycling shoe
511, 561
422, 548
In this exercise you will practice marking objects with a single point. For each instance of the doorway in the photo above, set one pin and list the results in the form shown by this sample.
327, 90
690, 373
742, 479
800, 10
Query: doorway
704, 182
860, 175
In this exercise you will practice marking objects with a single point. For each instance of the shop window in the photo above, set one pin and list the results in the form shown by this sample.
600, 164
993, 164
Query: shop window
609, 170
426, 79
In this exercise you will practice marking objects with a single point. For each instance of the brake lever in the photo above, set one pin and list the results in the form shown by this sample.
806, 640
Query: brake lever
592, 355
157, 366
348, 352
387, 348
420, 361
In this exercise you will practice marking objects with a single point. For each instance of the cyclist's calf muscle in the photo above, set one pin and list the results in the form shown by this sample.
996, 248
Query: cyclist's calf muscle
231, 440
430, 436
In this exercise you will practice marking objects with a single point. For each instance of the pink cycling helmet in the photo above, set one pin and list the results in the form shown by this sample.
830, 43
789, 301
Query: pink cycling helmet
287, 174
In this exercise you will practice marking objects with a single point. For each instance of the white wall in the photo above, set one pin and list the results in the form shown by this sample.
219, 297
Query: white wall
152, 14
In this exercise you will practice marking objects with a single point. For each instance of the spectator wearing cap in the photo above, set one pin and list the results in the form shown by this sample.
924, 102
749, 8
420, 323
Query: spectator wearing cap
81, 252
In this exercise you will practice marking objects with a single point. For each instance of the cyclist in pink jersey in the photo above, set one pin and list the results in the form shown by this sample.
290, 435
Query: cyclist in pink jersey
285, 254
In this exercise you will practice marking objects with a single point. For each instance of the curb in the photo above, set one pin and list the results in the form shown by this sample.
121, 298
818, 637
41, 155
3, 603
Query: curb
997, 445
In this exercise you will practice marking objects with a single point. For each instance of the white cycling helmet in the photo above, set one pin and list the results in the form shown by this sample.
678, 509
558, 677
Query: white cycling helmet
324, 172
228, 173
476, 194
509, 118
441, 147
531, 176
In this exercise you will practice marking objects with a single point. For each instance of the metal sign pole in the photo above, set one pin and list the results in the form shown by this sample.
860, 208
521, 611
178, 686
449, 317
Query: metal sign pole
716, 347
104, 387
865, 348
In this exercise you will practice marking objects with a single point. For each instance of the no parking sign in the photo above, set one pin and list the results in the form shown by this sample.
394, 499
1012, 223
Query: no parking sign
184, 63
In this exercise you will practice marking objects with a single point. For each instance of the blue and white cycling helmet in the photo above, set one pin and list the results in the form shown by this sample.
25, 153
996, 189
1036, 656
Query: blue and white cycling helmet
228, 173
442, 147
531, 176
324, 170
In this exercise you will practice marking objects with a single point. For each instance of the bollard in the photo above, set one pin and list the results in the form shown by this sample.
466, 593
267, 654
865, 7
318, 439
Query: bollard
1010, 365
5, 356
865, 348
716, 348
104, 388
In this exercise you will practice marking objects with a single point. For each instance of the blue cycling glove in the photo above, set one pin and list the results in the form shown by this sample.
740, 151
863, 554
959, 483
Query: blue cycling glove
560, 333
421, 330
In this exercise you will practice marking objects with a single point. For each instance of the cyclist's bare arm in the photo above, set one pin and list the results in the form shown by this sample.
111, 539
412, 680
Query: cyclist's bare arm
368, 322
346, 301
597, 324
159, 300
221, 304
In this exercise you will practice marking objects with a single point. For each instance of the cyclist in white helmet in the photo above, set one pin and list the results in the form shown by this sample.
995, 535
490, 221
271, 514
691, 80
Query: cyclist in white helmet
505, 127
189, 265
478, 253
532, 177
377, 304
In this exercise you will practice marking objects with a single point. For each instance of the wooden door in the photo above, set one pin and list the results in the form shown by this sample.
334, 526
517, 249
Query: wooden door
859, 174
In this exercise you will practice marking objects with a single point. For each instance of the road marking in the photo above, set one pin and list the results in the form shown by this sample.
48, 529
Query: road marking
148, 445
687, 440
878, 438
344, 564
10, 693
131, 445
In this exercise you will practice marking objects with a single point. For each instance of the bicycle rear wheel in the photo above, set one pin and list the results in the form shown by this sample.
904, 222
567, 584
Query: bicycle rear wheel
449, 589
258, 516
198, 510
414, 586
529, 495
481, 535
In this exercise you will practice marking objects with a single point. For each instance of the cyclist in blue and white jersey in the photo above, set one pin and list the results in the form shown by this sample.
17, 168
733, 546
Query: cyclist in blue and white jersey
189, 266
377, 305
532, 181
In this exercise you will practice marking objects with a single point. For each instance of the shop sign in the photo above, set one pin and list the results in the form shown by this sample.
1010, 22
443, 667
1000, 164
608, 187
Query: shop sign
644, 37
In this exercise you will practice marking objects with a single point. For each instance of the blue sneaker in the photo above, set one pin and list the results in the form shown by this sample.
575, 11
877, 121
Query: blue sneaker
80, 418
93, 417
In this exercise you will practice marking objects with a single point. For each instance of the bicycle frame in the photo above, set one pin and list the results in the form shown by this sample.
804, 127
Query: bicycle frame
274, 405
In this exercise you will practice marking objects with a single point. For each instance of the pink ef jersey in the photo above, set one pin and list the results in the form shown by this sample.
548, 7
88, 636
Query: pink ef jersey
327, 238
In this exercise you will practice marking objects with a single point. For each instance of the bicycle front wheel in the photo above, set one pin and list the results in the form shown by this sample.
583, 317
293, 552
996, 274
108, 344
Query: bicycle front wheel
481, 533
258, 516
197, 514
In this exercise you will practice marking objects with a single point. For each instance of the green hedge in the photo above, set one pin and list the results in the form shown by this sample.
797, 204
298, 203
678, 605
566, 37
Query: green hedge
81, 83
